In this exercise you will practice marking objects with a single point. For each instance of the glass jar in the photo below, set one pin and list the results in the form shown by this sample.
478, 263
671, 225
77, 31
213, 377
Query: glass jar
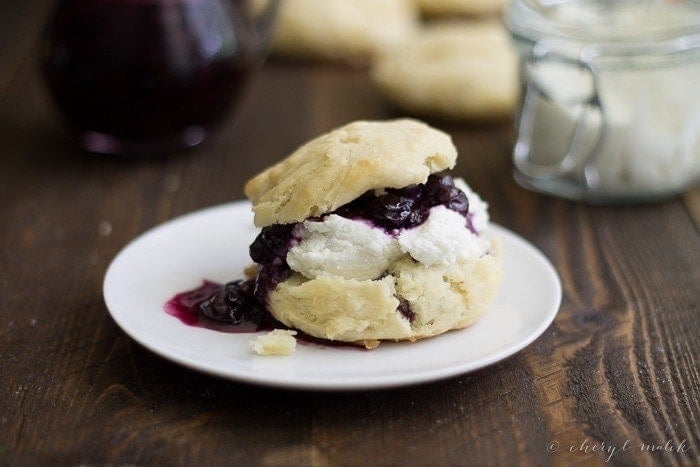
150, 76
610, 108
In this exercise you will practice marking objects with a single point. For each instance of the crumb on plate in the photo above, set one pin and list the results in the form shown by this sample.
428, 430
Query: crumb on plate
276, 342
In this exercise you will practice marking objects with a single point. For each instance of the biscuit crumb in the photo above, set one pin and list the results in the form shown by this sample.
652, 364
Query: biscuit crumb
276, 342
371, 344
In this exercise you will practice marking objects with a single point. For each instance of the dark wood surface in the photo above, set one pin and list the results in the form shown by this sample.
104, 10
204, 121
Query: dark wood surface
619, 364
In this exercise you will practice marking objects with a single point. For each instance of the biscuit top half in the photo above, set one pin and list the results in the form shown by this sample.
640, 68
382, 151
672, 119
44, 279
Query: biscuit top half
337, 167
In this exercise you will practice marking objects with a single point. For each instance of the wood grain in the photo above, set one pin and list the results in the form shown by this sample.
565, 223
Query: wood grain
619, 364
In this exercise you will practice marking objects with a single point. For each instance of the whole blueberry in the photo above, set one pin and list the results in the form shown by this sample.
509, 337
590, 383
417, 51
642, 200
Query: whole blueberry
456, 200
391, 210
241, 299
405, 309
272, 243
217, 307
435, 187
413, 192
358, 207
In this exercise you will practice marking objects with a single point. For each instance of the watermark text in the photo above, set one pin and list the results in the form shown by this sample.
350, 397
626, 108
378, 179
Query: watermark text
610, 450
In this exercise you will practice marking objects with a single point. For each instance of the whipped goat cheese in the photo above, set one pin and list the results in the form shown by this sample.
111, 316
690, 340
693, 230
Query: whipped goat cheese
342, 247
443, 239
355, 249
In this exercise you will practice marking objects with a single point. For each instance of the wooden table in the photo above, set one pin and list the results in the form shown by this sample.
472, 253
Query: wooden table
618, 366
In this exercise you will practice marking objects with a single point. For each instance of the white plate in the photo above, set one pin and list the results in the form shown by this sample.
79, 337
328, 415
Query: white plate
213, 244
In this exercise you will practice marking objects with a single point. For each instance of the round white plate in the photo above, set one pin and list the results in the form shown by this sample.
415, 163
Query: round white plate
213, 244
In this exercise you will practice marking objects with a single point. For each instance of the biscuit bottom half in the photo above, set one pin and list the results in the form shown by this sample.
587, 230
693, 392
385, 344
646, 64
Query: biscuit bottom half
441, 298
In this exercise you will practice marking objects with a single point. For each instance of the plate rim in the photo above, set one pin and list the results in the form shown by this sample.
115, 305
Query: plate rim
337, 383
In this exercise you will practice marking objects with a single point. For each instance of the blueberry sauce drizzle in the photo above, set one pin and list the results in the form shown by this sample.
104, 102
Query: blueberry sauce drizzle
243, 303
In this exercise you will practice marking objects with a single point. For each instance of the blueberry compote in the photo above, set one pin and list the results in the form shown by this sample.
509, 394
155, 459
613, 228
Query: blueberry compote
269, 250
231, 304
404, 208
138, 76
243, 303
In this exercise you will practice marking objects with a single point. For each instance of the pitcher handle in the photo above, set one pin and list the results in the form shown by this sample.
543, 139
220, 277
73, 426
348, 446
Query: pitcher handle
576, 162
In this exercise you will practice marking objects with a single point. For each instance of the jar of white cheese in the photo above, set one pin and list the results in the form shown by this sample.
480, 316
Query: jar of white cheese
610, 107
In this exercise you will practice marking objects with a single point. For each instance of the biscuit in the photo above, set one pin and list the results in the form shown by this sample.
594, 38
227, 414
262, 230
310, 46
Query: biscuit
463, 71
441, 298
346, 30
335, 168
460, 7
359, 279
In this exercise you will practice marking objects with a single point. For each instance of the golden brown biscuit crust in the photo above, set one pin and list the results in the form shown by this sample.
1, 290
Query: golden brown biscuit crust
335, 168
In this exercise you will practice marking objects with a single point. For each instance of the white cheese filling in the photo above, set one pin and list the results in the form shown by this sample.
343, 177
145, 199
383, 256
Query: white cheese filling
342, 247
442, 239
355, 249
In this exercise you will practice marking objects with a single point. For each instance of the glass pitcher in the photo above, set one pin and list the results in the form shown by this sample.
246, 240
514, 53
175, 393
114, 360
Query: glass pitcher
150, 76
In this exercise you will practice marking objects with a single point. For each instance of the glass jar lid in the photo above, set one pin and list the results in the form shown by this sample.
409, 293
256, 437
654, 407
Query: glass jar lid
608, 29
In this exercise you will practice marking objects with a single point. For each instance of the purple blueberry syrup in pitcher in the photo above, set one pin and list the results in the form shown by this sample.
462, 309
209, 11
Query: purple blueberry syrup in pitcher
147, 75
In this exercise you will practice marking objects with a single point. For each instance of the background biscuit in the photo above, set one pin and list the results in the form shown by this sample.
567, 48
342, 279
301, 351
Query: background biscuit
460, 7
465, 71
346, 30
